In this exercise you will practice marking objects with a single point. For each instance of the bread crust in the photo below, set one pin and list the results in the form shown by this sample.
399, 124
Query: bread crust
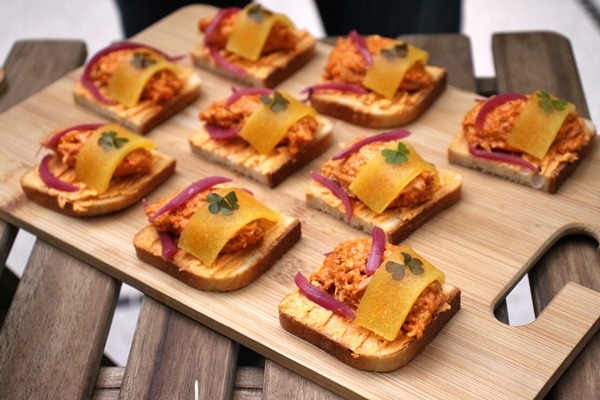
271, 169
353, 344
397, 223
122, 193
550, 181
144, 116
269, 70
230, 272
382, 113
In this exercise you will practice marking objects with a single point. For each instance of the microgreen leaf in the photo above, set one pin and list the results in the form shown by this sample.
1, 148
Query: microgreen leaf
142, 59
398, 156
398, 270
277, 103
224, 204
257, 13
109, 139
548, 104
400, 50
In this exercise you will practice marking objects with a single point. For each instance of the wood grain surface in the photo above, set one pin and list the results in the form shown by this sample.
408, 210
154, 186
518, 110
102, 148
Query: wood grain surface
485, 244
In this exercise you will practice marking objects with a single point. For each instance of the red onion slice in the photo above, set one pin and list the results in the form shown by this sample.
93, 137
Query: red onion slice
226, 65
337, 190
377, 248
87, 80
381, 137
53, 141
188, 193
52, 181
491, 104
218, 133
361, 45
250, 91
168, 245
321, 297
220, 16
503, 157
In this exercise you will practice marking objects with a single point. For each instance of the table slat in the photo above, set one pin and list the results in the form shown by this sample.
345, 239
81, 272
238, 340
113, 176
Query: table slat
53, 338
171, 351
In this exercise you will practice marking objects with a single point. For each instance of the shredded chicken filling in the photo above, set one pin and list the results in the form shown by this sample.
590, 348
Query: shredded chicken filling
67, 149
344, 171
175, 220
163, 86
499, 123
343, 276
219, 114
346, 64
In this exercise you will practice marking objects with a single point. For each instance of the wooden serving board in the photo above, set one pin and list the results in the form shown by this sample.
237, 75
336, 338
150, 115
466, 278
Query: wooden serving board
485, 244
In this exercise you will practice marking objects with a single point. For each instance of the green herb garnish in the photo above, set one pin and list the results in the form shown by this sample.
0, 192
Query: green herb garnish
142, 59
225, 205
398, 270
398, 156
399, 50
277, 103
548, 104
257, 13
109, 140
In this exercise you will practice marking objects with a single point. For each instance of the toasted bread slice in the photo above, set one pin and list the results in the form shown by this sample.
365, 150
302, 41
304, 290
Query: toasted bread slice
397, 223
379, 112
229, 272
271, 169
269, 70
143, 116
353, 344
123, 191
548, 181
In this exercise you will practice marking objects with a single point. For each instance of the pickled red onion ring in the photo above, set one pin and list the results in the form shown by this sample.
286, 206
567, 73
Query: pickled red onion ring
377, 248
503, 157
218, 133
490, 105
168, 245
188, 193
361, 45
250, 91
87, 80
220, 16
53, 141
337, 190
381, 137
321, 297
52, 181
226, 65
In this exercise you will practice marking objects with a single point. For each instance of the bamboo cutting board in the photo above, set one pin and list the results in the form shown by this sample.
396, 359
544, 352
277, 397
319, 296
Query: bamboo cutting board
485, 244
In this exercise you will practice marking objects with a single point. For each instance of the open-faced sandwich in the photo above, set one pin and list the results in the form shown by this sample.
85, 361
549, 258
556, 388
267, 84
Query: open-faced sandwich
381, 180
261, 133
136, 85
536, 140
252, 45
94, 169
372, 305
214, 237
377, 82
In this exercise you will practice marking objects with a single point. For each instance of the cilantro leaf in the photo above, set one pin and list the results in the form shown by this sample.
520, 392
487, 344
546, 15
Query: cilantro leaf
398, 156
142, 59
398, 270
548, 104
225, 204
277, 103
109, 139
